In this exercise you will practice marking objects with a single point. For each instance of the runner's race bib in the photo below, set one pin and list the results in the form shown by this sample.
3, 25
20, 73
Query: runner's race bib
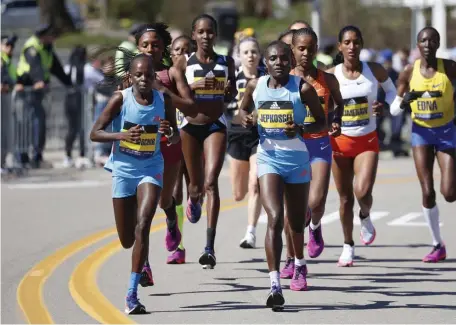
272, 118
356, 112
309, 118
146, 146
217, 92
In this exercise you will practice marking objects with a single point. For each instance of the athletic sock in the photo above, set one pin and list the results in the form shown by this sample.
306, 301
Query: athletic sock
180, 224
251, 229
134, 281
432, 219
210, 233
300, 262
275, 279
313, 227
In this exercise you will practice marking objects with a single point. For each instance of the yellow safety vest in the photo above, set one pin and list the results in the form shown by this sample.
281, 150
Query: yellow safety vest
23, 66
10, 66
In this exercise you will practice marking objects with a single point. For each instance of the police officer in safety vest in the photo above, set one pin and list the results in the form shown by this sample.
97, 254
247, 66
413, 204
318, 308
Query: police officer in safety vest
8, 69
8, 72
37, 62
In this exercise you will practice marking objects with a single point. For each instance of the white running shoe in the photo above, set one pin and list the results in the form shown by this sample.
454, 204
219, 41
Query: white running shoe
67, 162
367, 233
83, 162
248, 241
347, 256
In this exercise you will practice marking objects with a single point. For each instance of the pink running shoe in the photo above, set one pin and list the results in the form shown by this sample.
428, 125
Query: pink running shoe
146, 279
299, 280
173, 237
437, 254
288, 270
177, 257
316, 243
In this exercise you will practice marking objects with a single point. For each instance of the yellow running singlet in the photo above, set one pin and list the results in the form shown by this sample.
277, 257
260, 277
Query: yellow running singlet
435, 105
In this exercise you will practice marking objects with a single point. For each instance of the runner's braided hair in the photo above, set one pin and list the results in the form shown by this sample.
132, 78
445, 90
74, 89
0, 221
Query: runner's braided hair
162, 31
120, 72
304, 32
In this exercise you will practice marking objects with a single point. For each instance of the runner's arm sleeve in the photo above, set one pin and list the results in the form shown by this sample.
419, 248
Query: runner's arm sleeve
395, 107
390, 91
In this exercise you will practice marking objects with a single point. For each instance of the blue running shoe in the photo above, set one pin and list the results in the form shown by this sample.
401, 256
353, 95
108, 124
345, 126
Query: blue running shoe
132, 304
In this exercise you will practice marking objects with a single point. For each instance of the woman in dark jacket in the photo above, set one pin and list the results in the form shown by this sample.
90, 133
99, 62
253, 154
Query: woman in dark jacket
74, 103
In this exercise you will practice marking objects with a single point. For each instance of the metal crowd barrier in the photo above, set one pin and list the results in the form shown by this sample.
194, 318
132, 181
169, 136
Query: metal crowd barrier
18, 119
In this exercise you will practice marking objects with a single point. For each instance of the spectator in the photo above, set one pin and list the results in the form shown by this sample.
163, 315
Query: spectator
401, 59
74, 104
8, 80
36, 64
385, 58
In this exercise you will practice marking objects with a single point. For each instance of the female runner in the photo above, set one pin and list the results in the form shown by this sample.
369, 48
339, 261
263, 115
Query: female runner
305, 45
137, 114
283, 162
182, 46
430, 97
154, 40
212, 78
242, 143
355, 151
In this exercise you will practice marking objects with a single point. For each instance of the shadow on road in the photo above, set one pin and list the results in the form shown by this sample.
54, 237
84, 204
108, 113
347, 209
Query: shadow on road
388, 285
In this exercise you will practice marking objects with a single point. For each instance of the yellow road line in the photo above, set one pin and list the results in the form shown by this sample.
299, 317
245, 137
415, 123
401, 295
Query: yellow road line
29, 292
84, 290
83, 284
83, 281
30, 289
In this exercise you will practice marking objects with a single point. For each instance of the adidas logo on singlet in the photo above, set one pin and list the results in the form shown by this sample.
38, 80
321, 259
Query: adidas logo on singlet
426, 95
275, 105
351, 102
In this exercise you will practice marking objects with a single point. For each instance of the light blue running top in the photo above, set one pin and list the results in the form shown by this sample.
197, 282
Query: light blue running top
275, 107
137, 159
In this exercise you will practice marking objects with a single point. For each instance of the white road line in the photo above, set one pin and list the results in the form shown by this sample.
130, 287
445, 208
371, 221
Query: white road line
329, 218
406, 220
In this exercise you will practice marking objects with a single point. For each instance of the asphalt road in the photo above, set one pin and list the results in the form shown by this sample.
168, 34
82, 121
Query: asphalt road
62, 262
